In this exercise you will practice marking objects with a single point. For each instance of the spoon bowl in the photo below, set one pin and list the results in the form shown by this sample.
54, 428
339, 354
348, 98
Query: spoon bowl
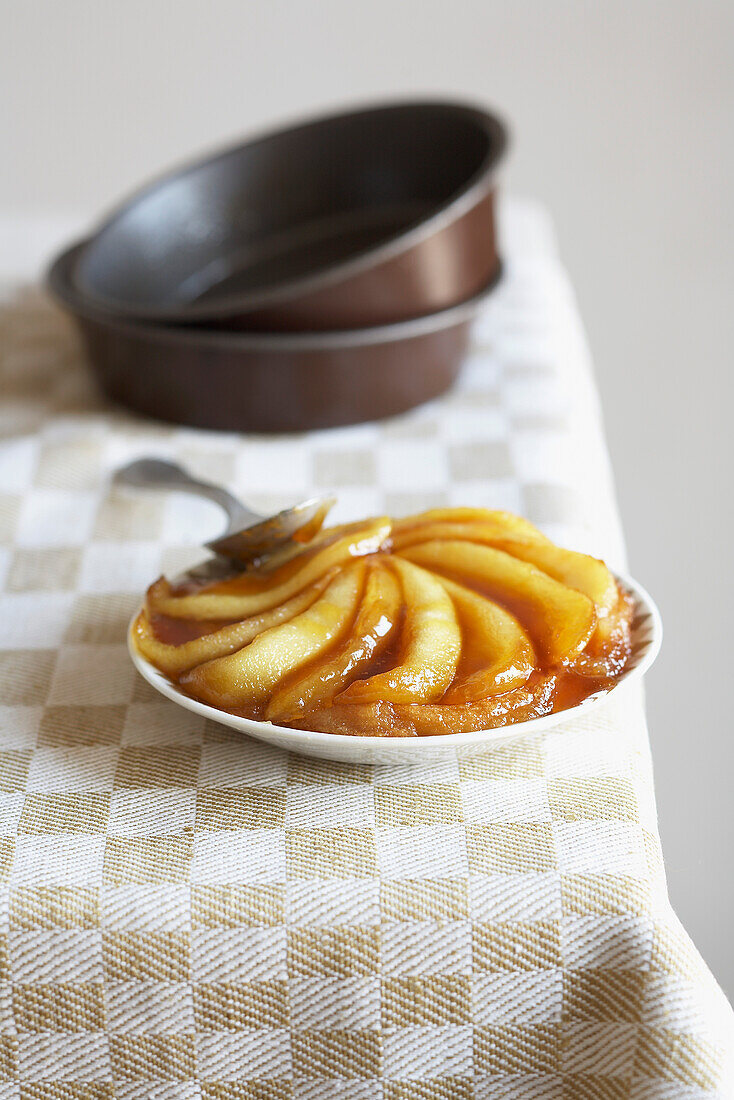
249, 535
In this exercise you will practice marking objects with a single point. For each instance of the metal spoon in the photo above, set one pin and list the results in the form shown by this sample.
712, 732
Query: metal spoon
249, 535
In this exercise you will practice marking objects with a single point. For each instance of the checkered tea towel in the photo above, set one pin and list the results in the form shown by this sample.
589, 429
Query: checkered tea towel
185, 913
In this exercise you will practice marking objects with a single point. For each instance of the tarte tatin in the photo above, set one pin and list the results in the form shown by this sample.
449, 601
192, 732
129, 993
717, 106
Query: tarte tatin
455, 620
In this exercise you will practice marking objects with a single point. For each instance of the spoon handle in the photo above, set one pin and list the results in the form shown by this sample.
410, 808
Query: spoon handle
157, 473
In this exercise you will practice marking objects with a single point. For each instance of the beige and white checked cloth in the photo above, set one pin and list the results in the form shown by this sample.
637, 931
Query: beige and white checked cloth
185, 913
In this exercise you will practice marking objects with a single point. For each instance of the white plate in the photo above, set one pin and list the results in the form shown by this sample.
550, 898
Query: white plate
647, 634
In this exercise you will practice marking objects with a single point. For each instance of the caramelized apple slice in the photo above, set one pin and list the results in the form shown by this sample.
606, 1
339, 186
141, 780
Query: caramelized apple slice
610, 647
250, 594
432, 644
466, 523
580, 571
282, 555
487, 533
559, 619
244, 680
376, 622
175, 659
497, 655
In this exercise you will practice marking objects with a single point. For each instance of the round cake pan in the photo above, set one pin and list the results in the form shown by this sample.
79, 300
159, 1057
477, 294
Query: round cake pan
260, 382
366, 218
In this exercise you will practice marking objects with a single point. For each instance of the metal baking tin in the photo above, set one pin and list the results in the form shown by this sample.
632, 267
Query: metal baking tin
369, 217
258, 382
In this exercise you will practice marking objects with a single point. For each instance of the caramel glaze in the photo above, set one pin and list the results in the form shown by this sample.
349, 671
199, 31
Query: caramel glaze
546, 691
548, 687
172, 631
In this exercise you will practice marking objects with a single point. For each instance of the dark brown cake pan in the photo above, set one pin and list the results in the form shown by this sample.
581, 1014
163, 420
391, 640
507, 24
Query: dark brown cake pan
258, 382
366, 218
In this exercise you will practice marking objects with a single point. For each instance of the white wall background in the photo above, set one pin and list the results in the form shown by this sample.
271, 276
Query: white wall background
622, 114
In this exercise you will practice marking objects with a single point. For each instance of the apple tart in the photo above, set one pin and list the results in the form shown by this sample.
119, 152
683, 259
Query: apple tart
446, 622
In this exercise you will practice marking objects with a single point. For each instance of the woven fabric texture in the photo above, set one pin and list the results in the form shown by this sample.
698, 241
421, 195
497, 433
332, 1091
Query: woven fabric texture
185, 913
